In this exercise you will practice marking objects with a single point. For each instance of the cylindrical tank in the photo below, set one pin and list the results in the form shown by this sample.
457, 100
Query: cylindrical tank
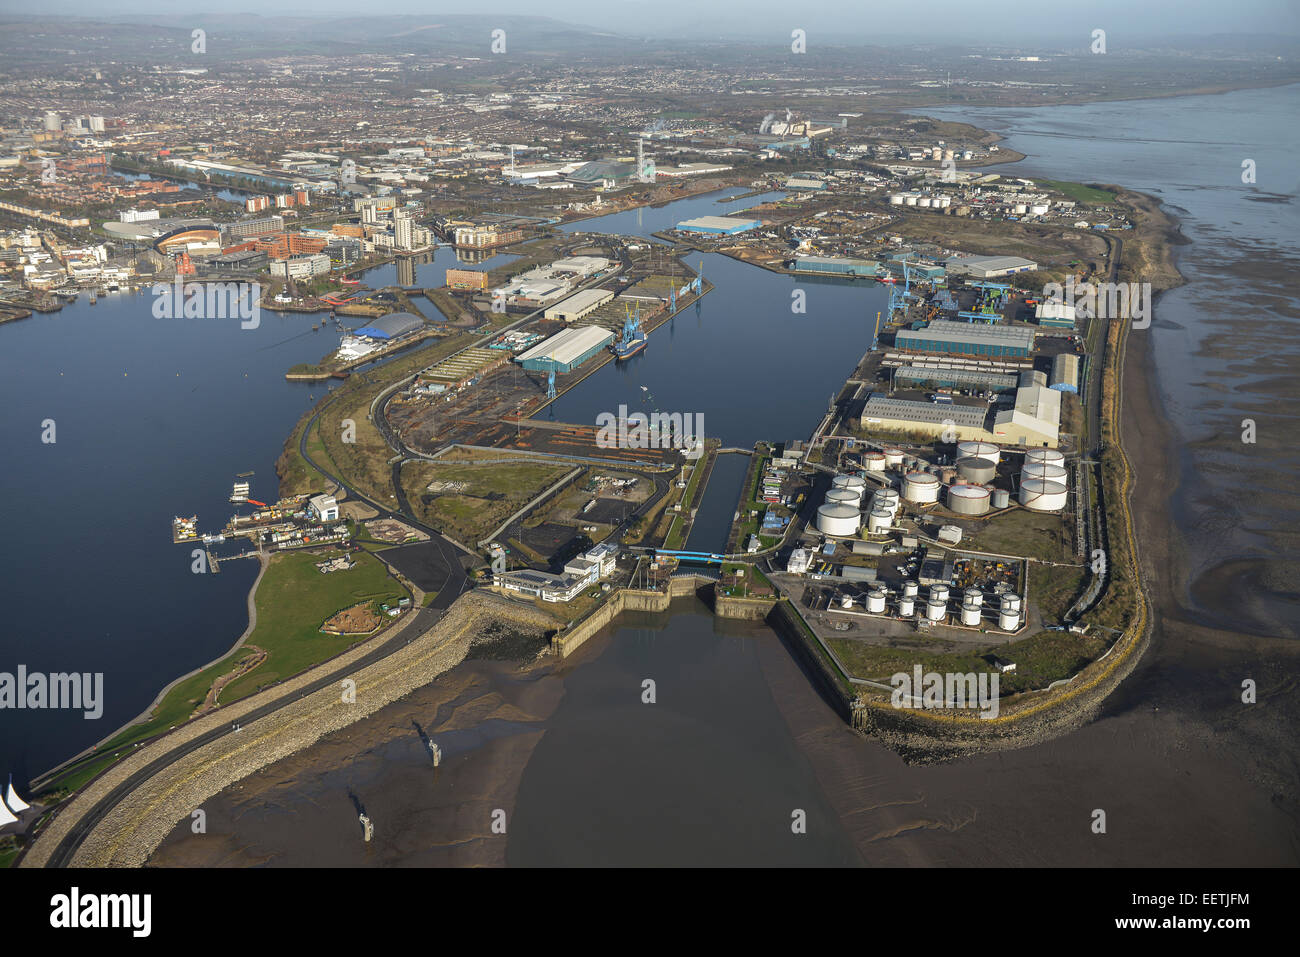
920, 487
893, 457
886, 498
840, 520
970, 615
906, 607
979, 450
876, 602
844, 496
1008, 620
967, 154
1039, 209
880, 521
936, 610
924, 201
1010, 602
975, 469
968, 499
895, 199
1021, 209
938, 593
949, 154
943, 202
846, 601
936, 153
909, 201
874, 461
1045, 471
1001, 498
972, 596
1042, 496
947, 475
910, 589
1045, 456
852, 482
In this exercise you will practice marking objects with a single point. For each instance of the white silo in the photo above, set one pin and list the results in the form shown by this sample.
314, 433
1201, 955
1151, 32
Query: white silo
973, 596
893, 458
938, 593
936, 610
968, 499
876, 601
886, 498
895, 199
840, 520
843, 496
853, 482
846, 601
967, 154
906, 607
1042, 496
880, 521
1001, 498
921, 487
1010, 602
909, 200
979, 450
1008, 620
910, 589
924, 201
1020, 209
1039, 209
970, 615
874, 461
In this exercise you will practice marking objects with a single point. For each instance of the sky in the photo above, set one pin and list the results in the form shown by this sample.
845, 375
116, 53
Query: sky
1008, 20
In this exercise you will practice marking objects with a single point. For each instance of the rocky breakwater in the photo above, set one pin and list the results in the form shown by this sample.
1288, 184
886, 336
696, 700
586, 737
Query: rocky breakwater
130, 832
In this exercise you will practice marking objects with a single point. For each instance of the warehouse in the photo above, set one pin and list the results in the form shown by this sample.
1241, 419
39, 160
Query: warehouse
1036, 418
1065, 373
882, 414
718, 225
946, 377
579, 304
834, 266
1060, 315
989, 267
566, 350
964, 338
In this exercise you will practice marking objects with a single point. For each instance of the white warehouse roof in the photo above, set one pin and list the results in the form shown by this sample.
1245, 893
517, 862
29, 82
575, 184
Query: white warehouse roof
567, 346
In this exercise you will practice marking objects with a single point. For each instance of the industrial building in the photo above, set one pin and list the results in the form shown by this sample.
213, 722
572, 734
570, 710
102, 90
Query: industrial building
566, 350
964, 338
1056, 314
881, 413
605, 174
1065, 373
1036, 418
946, 377
467, 279
301, 267
833, 266
988, 267
718, 225
395, 325
579, 305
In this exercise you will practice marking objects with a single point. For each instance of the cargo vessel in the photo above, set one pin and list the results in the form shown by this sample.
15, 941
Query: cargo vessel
183, 529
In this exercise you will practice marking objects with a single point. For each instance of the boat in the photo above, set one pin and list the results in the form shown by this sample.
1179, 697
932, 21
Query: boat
633, 340
183, 529
240, 493
886, 279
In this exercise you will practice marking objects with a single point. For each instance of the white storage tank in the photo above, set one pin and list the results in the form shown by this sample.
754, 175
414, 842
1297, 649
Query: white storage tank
906, 607
1010, 602
1001, 498
938, 593
1039, 209
943, 202
936, 610
1042, 496
979, 450
924, 201
920, 487
968, 499
1045, 456
843, 496
893, 457
1021, 209
895, 199
841, 520
1045, 471
973, 596
880, 521
978, 470
1008, 620
886, 498
846, 601
909, 201
970, 615
936, 153
852, 482
874, 461
876, 602
910, 589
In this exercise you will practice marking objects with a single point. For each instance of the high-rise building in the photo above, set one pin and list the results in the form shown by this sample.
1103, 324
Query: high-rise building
402, 230
52, 123
96, 124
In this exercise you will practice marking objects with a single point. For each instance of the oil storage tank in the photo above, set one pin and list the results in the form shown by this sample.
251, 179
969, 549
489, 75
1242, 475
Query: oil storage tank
968, 499
841, 520
921, 487
886, 498
1001, 498
854, 483
1045, 456
843, 496
936, 610
893, 458
880, 521
1041, 495
876, 601
978, 470
1008, 620
906, 606
1045, 471
874, 461
979, 450
970, 615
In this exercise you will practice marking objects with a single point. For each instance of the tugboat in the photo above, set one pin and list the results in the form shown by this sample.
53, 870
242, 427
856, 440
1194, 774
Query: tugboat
634, 338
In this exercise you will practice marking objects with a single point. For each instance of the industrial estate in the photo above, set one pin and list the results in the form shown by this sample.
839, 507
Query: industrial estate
959, 504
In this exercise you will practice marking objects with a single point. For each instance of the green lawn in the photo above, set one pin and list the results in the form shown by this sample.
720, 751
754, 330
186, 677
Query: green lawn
1078, 191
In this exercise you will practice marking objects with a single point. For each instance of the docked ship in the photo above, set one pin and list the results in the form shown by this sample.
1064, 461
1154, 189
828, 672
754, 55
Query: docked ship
240, 493
633, 339
183, 529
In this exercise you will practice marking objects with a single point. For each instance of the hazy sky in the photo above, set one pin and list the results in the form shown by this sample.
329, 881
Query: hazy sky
1010, 20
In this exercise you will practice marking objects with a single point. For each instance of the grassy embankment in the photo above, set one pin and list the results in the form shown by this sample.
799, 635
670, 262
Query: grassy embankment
293, 600
492, 493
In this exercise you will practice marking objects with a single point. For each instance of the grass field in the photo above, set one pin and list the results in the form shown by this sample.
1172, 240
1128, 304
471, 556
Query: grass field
492, 493
1019, 531
1079, 192
293, 599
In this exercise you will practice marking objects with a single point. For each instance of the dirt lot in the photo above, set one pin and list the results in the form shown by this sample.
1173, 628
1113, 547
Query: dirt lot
357, 620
